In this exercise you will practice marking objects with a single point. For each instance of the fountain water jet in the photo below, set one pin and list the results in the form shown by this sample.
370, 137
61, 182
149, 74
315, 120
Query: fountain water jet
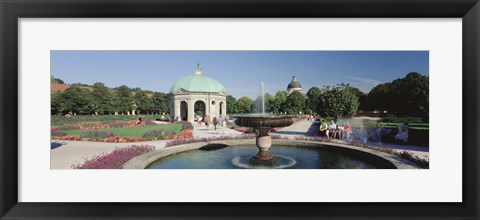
263, 123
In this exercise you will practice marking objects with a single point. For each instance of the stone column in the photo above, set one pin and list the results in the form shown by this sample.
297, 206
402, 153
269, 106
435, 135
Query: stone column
191, 110
207, 107
177, 108
224, 108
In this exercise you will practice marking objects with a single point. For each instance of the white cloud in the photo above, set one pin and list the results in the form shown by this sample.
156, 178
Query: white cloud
365, 80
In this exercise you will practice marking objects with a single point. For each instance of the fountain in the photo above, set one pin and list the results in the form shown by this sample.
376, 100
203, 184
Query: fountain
263, 123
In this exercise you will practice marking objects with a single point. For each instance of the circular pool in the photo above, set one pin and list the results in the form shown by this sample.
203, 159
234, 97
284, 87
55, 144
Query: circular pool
288, 157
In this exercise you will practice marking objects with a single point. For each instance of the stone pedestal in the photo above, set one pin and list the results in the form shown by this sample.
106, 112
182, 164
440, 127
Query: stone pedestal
264, 142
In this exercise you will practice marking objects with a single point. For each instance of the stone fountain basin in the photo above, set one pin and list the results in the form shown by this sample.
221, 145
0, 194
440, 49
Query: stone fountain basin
385, 160
264, 121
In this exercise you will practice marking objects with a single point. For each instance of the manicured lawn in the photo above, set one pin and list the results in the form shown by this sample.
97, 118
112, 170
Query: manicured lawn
57, 120
132, 132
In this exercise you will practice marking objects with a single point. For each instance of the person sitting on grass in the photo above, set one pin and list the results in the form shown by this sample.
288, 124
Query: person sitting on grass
332, 129
323, 129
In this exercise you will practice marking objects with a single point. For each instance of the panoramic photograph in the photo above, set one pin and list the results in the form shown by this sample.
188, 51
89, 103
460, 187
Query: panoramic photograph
159, 109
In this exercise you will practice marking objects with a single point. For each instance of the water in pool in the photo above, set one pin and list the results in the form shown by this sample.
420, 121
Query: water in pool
237, 157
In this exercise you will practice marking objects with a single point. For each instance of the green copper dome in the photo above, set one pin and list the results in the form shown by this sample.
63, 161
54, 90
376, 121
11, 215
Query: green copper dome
198, 83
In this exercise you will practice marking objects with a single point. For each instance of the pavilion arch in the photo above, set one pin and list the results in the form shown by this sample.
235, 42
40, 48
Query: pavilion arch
200, 106
183, 110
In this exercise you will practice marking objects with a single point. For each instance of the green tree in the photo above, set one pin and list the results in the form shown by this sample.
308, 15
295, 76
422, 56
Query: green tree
362, 97
231, 105
276, 105
295, 103
125, 99
244, 105
338, 102
104, 99
55, 103
56, 80
160, 103
408, 96
143, 102
77, 100
313, 96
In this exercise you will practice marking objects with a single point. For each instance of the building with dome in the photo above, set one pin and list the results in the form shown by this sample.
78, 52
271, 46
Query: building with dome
294, 85
197, 95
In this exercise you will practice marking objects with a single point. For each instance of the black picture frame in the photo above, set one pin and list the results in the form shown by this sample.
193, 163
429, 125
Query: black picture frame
12, 10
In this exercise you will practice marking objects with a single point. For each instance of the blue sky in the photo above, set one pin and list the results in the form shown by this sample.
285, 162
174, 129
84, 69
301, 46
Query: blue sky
239, 71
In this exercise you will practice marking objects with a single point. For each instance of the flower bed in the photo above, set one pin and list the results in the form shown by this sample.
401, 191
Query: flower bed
56, 132
114, 139
97, 134
114, 159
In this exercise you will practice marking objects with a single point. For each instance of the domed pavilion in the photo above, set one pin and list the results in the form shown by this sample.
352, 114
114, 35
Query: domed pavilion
294, 85
197, 95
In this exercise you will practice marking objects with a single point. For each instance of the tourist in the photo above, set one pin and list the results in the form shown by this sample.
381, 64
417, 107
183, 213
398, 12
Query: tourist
348, 130
402, 134
220, 120
323, 129
340, 131
226, 118
361, 134
332, 129
224, 122
199, 121
376, 134
215, 122
207, 121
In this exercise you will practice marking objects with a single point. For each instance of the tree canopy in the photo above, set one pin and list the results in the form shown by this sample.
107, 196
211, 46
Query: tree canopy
403, 96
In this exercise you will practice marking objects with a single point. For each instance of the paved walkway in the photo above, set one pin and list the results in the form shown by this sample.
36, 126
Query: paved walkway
202, 131
302, 127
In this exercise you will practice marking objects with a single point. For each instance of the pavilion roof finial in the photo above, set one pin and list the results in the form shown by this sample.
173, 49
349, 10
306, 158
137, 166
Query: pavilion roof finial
198, 70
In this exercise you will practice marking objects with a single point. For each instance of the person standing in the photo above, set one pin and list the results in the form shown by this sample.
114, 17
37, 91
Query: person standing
199, 121
215, 122
207, 122
220, 120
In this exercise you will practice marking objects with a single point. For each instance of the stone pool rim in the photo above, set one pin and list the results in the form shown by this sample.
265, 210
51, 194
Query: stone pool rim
142, 161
